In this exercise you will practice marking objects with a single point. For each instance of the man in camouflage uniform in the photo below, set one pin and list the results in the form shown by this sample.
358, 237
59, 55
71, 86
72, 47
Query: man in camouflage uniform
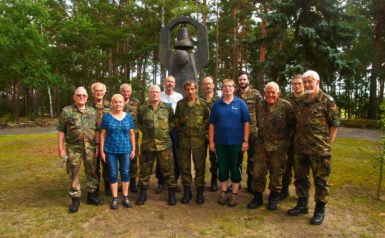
251, 97
156, 120
317, 123
101, 106
276, 123
79, 130
191, 119
131, 105
293, 98
211, 98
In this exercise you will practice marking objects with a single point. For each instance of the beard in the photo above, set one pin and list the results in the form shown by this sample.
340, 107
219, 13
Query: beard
310, 91
244, 86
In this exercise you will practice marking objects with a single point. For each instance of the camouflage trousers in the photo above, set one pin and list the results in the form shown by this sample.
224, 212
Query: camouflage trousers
321, 168
134, 169
250, 155
199, 159
74, 162
288, 174
164, 159
272, 162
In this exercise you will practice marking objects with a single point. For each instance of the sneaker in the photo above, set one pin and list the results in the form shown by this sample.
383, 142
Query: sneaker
126, 203
233, 200
222, 199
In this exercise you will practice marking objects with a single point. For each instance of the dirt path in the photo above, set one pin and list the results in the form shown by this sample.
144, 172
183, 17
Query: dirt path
343, 132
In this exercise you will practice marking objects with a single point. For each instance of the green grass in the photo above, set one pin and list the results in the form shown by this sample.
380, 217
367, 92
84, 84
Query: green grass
34, 201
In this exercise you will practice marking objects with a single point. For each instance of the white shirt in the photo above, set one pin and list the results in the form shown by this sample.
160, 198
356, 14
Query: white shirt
171, 99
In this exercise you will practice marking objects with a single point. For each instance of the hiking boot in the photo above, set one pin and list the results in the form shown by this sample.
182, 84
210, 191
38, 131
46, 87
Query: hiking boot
214, 182
300, 208
171, 197
142, 197
200, 199
115, 203
74, 207
187, 195
126, 202
284, 193
233, 200
257, 201
273, 201
222, 199
92, 198
319, 214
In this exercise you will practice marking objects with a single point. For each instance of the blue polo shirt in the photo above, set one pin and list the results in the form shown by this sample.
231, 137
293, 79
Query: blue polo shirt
117, 138
228, 120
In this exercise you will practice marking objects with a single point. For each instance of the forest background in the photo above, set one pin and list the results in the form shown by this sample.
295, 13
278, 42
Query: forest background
48, 47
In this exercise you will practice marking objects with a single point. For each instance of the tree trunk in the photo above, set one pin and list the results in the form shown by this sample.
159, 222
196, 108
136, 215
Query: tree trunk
262, 51
234, 12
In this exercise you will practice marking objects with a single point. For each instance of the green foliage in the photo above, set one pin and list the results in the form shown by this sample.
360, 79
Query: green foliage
361, 123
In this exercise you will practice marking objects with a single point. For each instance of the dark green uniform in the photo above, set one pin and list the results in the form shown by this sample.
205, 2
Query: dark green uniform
80, 127
155, 126
251, 98
212, 156
312, 144
274, 130
100, 110
288, 174
133, 107
192, 122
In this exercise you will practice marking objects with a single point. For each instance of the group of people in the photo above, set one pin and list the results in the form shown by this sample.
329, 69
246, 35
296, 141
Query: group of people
278, 136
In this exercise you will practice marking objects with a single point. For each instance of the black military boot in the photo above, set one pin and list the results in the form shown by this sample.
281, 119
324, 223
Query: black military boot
107, 189
319, 214
142, 197
133, 187
187, 195
93, 198
250, 187
300, 208
273, 200
214, 182
257, 201
75, 205
284, 193
200, 198
171, 197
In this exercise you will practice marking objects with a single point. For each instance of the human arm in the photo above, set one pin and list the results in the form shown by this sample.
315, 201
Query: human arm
61, 150
246, 132
133, 143
102, 141
211, 137
97, 143
332, 133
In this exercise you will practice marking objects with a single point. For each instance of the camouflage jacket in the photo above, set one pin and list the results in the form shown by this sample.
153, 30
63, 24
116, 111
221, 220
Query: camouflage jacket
132, 107
294, 101
251, 98
100, 109
79, 127
155, 126
211, 102
276, 126
192, 122
314, 120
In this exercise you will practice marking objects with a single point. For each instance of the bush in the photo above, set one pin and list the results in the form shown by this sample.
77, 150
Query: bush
361, 123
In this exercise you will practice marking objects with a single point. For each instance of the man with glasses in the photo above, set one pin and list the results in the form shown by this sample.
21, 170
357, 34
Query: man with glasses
78, 128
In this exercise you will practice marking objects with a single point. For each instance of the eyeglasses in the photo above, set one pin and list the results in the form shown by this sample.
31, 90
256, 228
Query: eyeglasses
81, 95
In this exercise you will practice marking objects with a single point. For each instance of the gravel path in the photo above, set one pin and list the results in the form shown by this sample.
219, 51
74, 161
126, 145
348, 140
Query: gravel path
344, 132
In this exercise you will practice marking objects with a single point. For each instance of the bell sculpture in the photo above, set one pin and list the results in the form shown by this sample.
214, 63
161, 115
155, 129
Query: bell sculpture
185, 60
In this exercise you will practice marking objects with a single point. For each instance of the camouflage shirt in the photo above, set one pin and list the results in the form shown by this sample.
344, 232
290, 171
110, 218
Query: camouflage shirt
294, 101
100, 109
132, 107
192, 122
79, 127
211, 102
251, 98
155, 126
276, 126
314, 120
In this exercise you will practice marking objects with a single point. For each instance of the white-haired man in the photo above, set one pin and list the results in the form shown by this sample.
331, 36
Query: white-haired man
276, 123
316, 129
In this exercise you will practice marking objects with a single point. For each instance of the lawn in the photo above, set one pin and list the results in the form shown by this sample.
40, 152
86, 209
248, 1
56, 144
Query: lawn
34, 202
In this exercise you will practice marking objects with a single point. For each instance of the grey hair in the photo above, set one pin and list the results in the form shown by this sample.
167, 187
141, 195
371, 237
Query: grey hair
81, 87
272, 85
155, 86
117, 96
311, 73
125, 85
98, 84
